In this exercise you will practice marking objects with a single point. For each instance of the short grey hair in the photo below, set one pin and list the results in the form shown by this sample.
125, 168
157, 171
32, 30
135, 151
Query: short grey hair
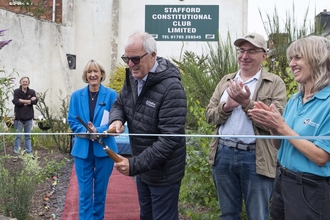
24, 77
148, 42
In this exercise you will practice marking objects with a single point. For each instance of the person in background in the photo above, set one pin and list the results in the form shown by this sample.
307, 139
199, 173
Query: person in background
302, 182
244, 167
93, 166
24, 99
152, 101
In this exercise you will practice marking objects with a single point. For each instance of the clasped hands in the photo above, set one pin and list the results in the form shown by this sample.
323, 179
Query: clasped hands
267, 116
238, 94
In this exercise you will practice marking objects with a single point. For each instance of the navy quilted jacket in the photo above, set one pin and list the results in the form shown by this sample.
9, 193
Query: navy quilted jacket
160, 109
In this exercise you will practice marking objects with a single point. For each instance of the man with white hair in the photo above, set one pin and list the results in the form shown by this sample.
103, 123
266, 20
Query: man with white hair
152, 101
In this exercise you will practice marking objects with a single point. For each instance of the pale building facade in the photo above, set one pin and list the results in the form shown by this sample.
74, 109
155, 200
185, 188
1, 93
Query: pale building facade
97, 29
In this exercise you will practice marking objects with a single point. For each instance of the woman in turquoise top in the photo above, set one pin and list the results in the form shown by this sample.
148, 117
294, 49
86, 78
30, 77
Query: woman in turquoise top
302, 183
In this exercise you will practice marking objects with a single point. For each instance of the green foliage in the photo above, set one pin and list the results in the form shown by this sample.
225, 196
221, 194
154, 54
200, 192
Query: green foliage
18, 183
5, 139
281, 35
41, 141
197, 186
195, 71
117, 78
6, 89
58, 123
222, 60
53, 166
40, 8
201, 74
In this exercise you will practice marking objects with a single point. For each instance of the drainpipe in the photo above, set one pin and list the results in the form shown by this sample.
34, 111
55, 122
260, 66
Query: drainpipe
54, 5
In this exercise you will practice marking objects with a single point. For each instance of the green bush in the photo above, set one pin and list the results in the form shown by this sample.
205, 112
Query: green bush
201, 74
197, 186
18, 183
117, 78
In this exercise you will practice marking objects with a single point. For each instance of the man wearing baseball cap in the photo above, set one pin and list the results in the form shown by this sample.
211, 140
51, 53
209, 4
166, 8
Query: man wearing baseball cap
244, 167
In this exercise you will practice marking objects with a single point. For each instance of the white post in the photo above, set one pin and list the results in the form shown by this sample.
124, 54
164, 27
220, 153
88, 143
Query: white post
54, 6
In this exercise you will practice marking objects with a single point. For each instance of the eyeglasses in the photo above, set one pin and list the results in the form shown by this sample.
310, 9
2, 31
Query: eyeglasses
249, 52
136, 60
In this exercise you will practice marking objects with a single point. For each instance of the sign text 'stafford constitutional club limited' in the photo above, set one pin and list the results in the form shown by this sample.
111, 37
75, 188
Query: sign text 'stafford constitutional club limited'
182, 22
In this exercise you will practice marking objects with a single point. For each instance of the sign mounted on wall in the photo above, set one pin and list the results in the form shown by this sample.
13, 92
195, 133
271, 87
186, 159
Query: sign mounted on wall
182, 22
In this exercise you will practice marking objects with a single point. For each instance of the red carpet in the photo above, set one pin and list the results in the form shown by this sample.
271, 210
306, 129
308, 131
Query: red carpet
121, 204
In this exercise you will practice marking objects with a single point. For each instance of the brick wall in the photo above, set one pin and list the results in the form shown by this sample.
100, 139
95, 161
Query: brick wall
39, 8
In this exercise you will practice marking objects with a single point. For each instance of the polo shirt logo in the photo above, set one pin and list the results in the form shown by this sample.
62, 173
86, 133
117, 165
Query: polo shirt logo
308, 121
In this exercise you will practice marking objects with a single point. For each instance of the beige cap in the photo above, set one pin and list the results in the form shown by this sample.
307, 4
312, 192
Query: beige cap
254, 38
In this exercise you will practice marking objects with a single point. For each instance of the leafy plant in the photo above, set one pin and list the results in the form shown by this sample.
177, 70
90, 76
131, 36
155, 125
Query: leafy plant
117, 78
201, 74
58, 123
41, 140
40, 8
18, 183
6, 89
281, 35
197, 186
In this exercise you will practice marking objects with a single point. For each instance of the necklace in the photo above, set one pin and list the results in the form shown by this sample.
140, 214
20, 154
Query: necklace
92, 95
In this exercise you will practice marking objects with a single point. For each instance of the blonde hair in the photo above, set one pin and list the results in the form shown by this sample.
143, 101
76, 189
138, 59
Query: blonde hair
93, 64
315, 51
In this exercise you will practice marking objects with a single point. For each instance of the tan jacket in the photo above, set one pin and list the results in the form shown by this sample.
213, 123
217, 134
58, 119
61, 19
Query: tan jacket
270, 89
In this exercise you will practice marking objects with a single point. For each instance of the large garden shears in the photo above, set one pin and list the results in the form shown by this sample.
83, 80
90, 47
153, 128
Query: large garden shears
98, 138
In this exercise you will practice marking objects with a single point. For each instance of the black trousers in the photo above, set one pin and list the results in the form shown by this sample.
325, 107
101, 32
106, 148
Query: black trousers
158, 202
299, 197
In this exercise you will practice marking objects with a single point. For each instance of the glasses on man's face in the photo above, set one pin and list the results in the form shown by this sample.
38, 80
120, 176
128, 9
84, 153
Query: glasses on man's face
136, 60
252, 52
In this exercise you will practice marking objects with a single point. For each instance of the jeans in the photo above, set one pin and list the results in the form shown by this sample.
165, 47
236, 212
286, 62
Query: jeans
235, 178
18, 126
158, 202
295, 199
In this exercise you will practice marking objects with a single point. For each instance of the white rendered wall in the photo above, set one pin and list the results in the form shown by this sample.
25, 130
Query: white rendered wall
93, 29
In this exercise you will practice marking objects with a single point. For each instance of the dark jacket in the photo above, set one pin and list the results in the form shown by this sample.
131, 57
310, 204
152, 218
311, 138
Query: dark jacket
24, 112
160, 109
